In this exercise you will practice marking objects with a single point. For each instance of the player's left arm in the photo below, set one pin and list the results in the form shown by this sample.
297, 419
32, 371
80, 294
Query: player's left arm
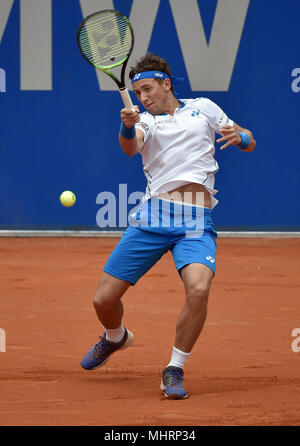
231, 134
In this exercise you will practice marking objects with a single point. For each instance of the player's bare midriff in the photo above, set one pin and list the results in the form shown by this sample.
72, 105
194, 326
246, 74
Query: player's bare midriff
192, 193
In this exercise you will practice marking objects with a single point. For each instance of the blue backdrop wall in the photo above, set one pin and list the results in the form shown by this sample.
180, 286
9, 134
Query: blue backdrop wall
60, 120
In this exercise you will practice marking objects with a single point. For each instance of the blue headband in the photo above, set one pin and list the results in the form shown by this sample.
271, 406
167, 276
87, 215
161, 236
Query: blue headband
157, 75
149, 75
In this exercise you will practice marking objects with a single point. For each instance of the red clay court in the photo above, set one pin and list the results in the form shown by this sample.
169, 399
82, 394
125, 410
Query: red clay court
243, 370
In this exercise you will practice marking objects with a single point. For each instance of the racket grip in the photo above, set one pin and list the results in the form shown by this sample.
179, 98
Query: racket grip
126, 99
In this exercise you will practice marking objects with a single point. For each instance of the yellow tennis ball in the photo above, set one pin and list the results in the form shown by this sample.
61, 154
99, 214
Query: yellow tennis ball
67, 198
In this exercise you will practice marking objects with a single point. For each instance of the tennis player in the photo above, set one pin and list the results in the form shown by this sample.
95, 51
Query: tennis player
175, 138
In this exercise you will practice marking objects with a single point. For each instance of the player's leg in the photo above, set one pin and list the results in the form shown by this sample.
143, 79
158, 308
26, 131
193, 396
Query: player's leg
197, 281
194, 255
107, 300
133, 256
109, 309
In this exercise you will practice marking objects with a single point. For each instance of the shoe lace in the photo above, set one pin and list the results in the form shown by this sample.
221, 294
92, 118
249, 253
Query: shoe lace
173, 378
100, 347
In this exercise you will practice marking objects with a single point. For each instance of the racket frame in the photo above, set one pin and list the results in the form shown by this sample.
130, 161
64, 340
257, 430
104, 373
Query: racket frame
121, 83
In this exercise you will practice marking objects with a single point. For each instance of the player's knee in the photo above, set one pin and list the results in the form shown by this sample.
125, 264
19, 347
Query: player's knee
197, 296
102, 299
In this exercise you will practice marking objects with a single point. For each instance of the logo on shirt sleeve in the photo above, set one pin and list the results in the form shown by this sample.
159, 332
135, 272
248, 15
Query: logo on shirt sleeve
143, 125
223, 120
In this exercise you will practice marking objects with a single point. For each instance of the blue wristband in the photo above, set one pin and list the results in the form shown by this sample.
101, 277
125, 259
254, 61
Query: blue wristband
128, 133
245, 140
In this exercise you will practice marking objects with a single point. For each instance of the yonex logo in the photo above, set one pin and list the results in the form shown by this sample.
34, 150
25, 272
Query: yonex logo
210, 259
136, 77
196, 113
158, 75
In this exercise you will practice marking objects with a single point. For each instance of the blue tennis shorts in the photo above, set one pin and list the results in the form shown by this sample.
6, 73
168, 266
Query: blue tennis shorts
158, 226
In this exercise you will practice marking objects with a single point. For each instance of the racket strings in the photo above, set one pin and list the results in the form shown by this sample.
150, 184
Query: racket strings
106, 40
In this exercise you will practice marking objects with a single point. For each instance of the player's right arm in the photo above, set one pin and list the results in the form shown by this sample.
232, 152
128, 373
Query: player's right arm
129, 143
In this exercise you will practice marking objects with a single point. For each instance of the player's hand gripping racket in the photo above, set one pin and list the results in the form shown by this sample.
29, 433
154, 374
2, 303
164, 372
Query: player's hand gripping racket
105, 40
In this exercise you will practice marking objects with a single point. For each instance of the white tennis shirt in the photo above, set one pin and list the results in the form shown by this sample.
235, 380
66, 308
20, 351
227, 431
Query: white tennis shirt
180, 149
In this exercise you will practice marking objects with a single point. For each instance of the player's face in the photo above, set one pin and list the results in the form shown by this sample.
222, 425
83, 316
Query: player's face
152, 94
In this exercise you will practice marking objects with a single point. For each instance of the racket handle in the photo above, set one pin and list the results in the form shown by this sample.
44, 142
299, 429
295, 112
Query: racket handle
126, 99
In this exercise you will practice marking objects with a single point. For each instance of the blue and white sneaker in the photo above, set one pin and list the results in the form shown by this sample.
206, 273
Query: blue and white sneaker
171, 383
100, 353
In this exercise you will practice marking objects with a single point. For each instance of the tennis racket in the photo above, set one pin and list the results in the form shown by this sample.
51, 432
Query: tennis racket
105, 39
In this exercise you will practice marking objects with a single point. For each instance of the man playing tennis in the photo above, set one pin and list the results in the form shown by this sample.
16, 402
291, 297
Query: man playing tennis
176, 141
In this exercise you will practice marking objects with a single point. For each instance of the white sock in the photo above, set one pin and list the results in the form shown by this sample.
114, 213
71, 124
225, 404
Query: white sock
115, 334
178, 358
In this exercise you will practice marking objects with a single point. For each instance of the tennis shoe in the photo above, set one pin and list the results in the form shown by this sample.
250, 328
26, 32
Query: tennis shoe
100, 353
171, 383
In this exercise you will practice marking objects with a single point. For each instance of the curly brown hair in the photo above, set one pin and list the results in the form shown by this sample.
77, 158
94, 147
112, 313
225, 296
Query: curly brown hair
151, 62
